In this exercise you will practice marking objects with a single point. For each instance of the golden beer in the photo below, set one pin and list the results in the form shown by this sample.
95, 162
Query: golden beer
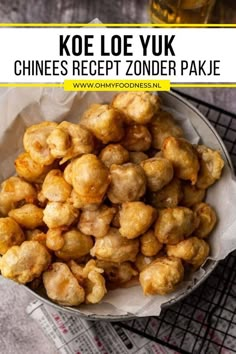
180, 11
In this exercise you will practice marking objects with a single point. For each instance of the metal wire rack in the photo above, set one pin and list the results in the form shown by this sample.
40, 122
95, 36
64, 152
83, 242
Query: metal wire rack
204, 322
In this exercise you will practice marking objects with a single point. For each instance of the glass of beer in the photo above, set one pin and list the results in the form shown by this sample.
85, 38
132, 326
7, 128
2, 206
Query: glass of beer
180, 11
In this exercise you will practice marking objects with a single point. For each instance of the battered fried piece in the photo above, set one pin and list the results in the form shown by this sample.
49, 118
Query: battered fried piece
92, 280
137, 138
90, 178
15, 191
55, 188
76, 245
79, 203
142, 261
193, 251
137, 157
149, 244
28, 216
41, 200
59, 142
96, 222
58, 214
135, 219
211, 166
183, 156
174, 224
10, 234
95, 287
114, 154
162, 126
115, 248
105, 122
208, 219
25, 262
138, 107
67, 174
117, 274
35, 142
54, 239
70, 140
30, 170
192, 195
61, 285
168, 197
36, 235
159, 172
161, 276
128, 183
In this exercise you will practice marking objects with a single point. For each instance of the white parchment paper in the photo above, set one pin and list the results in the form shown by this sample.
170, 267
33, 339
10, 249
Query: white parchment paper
22, 107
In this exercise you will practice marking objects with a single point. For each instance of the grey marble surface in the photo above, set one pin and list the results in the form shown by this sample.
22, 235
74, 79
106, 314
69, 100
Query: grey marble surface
18, 333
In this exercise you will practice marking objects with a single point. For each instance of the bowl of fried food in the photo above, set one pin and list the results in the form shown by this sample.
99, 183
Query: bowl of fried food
115, 201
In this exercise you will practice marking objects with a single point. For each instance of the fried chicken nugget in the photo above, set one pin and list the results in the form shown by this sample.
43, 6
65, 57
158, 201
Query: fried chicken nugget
137, 156
96, 222
135, 219
29, 169
115, 248
128, 183
78, 202
25, 262
162, 126
149, 244
105, 122
141, 261
76, 245
114, 154
138, 107
193, 251
36, 235
70, 140
168, 197
90, 178
137, 138
183, 156
117, 274
28, 216
55, 188
35, 142
174, 224
159, 172
161, 276
192, 195
10, 234
62, 286
208, 219
211, 166
58, 214
15, 191
54, 239
95, 287
90, 276
67, 173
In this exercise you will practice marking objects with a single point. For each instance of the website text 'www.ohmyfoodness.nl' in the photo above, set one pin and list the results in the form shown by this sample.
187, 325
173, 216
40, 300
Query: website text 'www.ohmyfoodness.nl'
117, 85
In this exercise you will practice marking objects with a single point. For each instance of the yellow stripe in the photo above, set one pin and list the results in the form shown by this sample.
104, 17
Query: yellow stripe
203, 85
181, 25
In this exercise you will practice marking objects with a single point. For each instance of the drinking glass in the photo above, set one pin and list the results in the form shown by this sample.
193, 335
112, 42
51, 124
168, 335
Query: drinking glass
180, 11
